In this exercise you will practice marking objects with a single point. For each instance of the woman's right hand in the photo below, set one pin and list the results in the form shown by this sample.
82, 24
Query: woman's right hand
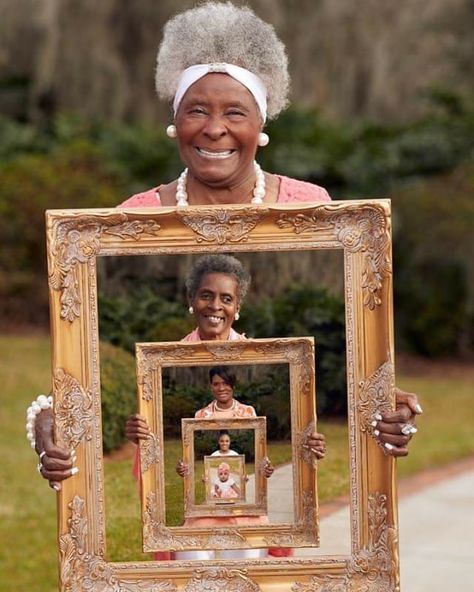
56, 463
136, 428
182, 468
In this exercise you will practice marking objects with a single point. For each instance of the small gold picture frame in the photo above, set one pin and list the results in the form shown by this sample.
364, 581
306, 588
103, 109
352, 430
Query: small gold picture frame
152, 358
225, 485
223, 505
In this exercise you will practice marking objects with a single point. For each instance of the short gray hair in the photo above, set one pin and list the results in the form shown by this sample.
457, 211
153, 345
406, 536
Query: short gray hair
222, 32
218, 264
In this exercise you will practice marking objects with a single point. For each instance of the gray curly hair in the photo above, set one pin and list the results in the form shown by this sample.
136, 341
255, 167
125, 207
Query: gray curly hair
222, 32
218, 264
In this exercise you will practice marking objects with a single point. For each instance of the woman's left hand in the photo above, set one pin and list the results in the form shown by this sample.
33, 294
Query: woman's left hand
317, 444
394, 429
268, 468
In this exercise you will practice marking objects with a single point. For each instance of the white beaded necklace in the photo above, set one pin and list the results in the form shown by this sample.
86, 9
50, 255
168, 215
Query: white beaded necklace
258, 192
231, 408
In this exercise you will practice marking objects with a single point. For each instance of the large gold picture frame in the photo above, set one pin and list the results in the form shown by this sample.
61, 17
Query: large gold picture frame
362, 229
298, 353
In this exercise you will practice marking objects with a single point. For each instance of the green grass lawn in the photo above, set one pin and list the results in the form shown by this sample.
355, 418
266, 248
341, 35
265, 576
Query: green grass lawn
28, 557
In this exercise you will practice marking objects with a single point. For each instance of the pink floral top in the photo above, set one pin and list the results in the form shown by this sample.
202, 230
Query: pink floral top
194, 336
212, 411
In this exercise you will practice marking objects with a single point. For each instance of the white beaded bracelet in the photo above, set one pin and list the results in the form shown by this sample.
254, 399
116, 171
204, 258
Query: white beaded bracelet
41, 402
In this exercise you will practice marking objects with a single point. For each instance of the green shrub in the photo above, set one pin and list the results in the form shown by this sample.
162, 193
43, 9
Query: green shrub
141, 315
271, 398
433, 263
31, 184
179, 403
305, 311
118, 392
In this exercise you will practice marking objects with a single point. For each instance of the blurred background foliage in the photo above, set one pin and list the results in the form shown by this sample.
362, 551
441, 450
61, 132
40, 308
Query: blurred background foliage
426, 167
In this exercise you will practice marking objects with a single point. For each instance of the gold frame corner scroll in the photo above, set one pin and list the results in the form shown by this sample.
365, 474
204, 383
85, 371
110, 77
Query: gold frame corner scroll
361, 229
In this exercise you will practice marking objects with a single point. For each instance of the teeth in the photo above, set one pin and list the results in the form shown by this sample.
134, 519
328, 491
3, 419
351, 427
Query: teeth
214, 319
220, 154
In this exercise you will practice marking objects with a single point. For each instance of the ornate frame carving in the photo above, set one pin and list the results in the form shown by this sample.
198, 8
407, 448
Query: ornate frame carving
362, 229
304, 531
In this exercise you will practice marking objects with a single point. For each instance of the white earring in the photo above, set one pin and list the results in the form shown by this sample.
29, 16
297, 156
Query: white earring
191, 310
236, 316
263, 139
171, 132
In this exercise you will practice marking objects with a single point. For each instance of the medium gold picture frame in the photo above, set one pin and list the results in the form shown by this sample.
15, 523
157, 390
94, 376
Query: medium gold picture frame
362, 230
298, 353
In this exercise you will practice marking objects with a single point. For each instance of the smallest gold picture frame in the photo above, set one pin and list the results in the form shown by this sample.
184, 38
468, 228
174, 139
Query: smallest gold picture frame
231, 507
303, 531
218, 491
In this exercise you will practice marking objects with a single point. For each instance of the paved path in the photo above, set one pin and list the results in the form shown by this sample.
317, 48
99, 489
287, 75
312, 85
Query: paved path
436, 531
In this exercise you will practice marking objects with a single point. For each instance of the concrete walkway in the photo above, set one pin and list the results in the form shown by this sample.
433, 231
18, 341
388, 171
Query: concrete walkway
436, 531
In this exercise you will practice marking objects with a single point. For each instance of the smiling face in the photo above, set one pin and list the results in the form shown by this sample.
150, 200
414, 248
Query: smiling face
215, 304
223, 474
224, 440
218, 123
223, 393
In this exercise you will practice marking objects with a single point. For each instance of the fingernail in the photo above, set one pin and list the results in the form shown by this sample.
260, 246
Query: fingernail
74, 471
373, 423
376, 432
418, 408
388, 446
57, 487
413, 430
378, 416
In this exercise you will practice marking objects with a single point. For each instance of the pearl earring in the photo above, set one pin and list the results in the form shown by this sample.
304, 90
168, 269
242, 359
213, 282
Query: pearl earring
263, 139
171, 132
191, 310
237, 316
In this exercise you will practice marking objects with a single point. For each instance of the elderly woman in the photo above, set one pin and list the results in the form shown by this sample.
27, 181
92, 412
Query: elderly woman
226, 73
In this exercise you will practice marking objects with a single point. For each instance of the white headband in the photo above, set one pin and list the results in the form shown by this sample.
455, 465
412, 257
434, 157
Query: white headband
245, 77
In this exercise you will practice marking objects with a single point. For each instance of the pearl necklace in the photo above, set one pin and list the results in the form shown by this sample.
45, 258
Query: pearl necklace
217, 408
258, 192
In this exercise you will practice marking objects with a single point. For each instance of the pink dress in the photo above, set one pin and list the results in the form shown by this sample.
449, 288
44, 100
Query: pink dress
291, 191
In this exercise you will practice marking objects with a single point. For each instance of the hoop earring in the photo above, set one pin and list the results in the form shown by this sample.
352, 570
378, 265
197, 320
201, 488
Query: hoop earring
171, 131
263, 139
191, 310
236, 316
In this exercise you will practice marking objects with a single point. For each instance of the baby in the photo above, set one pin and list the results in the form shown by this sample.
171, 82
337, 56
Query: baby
224, 486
